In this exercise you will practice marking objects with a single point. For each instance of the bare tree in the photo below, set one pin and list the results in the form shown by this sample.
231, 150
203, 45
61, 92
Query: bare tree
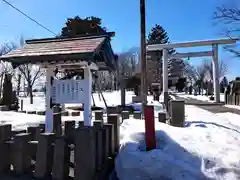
228, 17
31, 74
128, 62
190, 72
208, 66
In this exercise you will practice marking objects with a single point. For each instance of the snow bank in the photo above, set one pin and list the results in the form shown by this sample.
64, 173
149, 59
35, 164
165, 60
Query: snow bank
199, 97
207, 148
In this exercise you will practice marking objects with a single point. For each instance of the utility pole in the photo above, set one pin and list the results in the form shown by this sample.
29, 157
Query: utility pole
144, 88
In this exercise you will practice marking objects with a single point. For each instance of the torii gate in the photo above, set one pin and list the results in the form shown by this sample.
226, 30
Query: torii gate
213, 53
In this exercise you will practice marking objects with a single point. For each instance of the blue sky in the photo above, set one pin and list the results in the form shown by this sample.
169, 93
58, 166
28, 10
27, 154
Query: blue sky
184, 20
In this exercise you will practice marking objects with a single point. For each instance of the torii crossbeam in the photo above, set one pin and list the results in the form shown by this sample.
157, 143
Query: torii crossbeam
213, 53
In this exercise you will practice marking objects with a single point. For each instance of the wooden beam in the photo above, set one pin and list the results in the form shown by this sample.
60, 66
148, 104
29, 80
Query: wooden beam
191, 54
155, 47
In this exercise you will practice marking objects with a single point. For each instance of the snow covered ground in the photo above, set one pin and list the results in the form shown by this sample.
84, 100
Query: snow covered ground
22, 120
206, 98
207, 148
112, 99
199, 97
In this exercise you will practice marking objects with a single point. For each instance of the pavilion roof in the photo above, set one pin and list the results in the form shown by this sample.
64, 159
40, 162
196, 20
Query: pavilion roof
88, 48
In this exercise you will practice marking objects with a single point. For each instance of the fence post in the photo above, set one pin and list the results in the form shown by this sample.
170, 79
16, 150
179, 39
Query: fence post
238, 102
57, 120
32, 131
44, 159
22, 154
125, 115
69, 130
106, 142
99, 115
61, 157
137, 115
5, 134
99, 144
225, 96
236, 99
110, 130
229, 99
80, 124
149, 128
114, 120
85, 151
21, 105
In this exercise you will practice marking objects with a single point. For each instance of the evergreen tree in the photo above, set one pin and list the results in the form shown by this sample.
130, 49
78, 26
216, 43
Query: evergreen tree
158, 35
82, 26
7, 91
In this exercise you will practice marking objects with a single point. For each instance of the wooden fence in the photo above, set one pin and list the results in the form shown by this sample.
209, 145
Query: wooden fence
232, 99
79, 152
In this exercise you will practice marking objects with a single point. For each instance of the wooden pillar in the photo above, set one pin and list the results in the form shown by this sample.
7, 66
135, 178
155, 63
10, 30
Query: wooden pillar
165, 77
49, 100
88, 98
216, 73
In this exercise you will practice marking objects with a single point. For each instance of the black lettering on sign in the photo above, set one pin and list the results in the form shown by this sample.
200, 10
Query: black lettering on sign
81, 89
51, 103
63, 88
51, 81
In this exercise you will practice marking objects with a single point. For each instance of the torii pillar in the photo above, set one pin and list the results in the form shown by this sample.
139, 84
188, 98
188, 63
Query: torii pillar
165, 77
216, 73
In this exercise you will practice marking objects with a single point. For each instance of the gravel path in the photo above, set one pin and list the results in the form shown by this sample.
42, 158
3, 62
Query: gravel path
209, 106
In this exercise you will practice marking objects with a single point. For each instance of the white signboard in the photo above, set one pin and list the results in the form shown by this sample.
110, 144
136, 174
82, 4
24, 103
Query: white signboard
69, 91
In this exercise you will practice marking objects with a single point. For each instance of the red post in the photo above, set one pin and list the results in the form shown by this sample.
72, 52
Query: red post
149, 128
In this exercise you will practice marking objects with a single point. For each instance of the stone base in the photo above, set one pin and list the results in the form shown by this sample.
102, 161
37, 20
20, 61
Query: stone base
4, 108
136, 99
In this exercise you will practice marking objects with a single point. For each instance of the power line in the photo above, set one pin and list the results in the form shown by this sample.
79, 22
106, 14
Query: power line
29, 17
